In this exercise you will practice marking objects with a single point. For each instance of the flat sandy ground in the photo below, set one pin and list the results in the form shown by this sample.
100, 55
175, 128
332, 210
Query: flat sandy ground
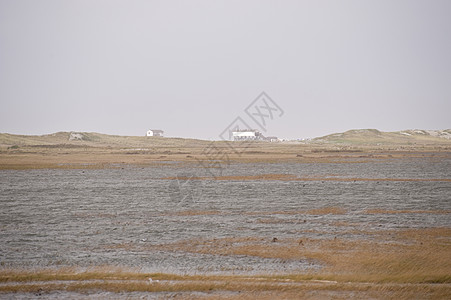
403, 264
82, 156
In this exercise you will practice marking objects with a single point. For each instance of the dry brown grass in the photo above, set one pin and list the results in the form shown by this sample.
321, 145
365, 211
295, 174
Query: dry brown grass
143, 152
391, 265
386, 211
413, 256
191, 213
71, 273
333, 210
234, 287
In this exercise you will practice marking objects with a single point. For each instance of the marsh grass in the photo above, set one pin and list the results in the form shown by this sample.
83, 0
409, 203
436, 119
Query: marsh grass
404, 256
410, 256
239, 287
390, 269
387, 211
393, 263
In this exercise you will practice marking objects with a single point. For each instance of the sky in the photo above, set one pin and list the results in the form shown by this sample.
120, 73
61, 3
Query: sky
191, 68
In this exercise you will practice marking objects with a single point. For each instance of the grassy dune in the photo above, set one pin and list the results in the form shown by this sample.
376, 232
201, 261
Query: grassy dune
93, 139
374, 136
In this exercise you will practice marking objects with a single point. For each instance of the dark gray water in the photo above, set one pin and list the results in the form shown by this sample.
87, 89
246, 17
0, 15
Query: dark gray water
75, 217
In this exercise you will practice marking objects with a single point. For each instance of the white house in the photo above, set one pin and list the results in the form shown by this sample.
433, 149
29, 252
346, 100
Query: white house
154, 132
247, 135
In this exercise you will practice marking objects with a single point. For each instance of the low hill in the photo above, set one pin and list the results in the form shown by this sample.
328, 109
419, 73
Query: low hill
374, 136
92, 139
359, 137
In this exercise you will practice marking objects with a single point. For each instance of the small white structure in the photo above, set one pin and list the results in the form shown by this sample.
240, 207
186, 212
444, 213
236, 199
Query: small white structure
272, 139
154, 132
247, 135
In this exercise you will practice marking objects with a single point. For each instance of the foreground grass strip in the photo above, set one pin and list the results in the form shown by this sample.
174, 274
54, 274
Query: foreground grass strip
215, 286
52, 275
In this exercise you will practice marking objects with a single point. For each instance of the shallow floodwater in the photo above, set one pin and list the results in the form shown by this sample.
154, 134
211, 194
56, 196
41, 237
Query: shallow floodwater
54, 218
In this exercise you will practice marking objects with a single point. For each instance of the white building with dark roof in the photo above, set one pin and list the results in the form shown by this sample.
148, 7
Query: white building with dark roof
247, 135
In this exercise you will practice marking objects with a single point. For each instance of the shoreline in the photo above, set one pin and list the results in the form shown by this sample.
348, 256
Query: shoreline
33, 157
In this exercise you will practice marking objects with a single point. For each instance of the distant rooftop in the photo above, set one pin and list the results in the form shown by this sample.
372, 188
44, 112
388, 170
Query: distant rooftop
246, 130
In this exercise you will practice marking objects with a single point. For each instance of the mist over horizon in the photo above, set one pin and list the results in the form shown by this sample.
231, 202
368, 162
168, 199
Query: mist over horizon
191, 68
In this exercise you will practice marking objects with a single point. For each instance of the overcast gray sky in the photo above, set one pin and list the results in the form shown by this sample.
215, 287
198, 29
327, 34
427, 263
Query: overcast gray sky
191, 67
